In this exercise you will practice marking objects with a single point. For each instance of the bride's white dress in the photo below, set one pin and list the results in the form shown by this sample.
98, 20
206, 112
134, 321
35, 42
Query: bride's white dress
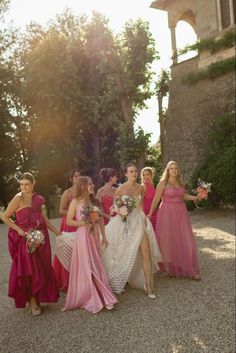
122, 258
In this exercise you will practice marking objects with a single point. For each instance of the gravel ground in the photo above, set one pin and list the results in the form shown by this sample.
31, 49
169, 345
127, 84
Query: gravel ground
187, 316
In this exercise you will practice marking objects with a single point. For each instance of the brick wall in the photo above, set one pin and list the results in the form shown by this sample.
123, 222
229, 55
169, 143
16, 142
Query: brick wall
191, 114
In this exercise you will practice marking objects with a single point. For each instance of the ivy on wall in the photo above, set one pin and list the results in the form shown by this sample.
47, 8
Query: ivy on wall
212, 71
211, 44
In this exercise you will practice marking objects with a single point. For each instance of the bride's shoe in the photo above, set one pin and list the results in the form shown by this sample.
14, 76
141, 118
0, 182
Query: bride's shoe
150, 295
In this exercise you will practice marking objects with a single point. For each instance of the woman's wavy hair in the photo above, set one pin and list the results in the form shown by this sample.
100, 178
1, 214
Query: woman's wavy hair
165, 176
82, 193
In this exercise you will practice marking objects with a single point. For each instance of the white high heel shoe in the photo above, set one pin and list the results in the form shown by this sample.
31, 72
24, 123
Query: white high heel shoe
150, 295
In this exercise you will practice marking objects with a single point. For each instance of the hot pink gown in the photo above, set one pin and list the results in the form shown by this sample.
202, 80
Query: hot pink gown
31, 274
175, 236
107, 202
88, 283
147, 202
62, 275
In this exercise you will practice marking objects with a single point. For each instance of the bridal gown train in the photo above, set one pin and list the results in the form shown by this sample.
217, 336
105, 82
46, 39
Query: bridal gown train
122, 258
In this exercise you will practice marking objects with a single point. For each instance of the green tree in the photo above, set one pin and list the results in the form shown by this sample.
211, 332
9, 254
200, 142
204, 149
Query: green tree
219, 165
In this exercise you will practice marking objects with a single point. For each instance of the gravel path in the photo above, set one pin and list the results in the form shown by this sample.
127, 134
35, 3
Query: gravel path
187, 316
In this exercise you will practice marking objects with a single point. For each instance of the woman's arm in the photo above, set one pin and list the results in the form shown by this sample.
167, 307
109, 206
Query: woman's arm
12, 207
50, 226
188, 197
99, 195
157, 197
102, 229
63, 203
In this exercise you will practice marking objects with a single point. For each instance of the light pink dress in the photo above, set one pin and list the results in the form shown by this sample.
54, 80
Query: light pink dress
175, 236
88, 282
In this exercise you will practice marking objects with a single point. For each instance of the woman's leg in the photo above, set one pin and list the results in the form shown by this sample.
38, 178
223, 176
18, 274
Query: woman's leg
147, 263
34, 306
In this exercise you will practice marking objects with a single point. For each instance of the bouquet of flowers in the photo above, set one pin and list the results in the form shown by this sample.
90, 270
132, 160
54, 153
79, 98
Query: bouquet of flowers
202, 190
124, 205
91, 215
34, 238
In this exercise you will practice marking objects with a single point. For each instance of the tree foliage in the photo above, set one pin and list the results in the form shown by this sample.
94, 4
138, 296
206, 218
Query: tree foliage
74, 91
219, 166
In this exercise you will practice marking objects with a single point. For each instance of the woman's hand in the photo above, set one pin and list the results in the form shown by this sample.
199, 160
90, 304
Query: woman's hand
21, 232
104, 242
57, 233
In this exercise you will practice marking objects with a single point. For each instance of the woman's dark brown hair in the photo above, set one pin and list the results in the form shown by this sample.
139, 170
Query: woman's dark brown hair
28, 176
106, 174
69, 177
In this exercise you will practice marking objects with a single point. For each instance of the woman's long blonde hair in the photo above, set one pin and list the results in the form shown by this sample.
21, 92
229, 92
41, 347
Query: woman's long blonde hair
166, 175
82, 193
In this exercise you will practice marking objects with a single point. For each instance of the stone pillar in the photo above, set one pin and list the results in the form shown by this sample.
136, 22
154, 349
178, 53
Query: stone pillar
174, 46
231, 8
219, 15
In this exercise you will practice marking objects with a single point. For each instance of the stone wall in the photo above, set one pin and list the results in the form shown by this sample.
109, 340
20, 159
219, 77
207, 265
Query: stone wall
191, 114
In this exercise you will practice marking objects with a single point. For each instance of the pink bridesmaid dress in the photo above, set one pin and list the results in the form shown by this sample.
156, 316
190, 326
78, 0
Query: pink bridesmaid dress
62, 275
147, 202
88, 283
31, 274
175, 236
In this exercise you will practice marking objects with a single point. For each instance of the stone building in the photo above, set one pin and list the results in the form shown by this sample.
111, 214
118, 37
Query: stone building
193, 108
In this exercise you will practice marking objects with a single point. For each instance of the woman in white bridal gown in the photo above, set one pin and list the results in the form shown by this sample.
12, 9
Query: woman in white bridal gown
132, 253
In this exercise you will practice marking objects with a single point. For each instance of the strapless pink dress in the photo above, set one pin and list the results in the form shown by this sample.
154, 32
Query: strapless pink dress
31, 274
62, 275
175, 236
88, 283
147, 202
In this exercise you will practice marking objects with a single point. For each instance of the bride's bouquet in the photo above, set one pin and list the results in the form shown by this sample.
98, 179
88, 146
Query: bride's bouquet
34, 238
91, 215
124, 205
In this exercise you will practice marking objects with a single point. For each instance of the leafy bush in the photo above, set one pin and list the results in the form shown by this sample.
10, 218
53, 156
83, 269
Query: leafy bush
219, 166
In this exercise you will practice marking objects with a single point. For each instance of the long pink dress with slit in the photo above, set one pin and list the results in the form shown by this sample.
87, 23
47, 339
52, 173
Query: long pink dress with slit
88, 282
147, 202
175, 236
31, 274
62, 275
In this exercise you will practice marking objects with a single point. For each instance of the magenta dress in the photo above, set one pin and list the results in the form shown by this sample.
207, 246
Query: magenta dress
62, 275
107, 202
147, 202
31, 274
175, 236
88, 283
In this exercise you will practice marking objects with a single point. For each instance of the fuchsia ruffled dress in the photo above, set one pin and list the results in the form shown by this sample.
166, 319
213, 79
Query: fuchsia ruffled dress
31, 274
62, 275
175, 236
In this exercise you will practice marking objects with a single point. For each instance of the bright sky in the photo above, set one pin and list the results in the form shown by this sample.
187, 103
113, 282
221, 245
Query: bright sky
24, 11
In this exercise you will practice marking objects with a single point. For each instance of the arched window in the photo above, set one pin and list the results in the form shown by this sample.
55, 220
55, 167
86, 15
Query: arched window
225, 13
